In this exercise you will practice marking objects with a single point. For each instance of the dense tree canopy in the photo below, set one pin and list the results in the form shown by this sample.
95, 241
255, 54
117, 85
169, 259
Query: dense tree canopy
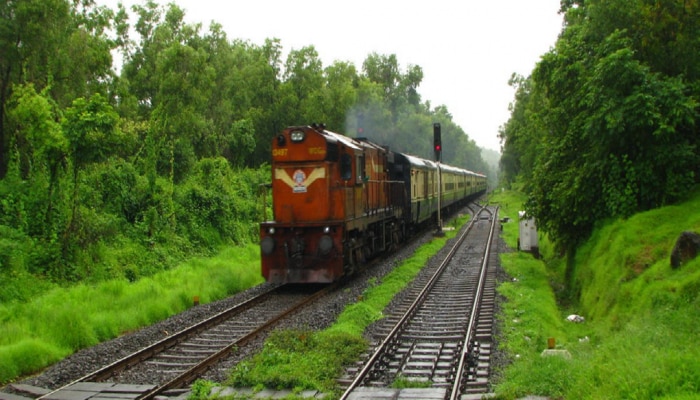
607, 124
139, 155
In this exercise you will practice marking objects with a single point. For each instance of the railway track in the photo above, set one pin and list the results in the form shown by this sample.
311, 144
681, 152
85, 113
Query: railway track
182, 357
176, 359
439, 339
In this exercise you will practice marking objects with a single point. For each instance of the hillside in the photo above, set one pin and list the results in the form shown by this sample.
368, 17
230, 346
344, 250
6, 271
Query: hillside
637, 340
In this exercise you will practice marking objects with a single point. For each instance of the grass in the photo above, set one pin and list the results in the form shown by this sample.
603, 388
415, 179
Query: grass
37, 333
631, 257
637, 341
402, 382
641, 315
303, 360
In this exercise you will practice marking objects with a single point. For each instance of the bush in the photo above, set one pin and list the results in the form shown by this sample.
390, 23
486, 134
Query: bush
216, 205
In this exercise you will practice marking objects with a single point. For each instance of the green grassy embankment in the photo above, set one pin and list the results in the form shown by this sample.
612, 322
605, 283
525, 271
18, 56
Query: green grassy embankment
42, 331
638, 339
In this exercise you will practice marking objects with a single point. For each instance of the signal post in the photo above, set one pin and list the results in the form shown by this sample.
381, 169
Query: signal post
437, 146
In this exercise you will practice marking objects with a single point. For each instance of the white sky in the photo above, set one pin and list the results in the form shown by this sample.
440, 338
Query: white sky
467, 49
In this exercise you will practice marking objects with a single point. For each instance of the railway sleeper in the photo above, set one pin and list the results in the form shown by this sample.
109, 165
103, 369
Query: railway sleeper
222, 336
437, 331
170, 364
181, 356
435, 338
198, 351
204, 345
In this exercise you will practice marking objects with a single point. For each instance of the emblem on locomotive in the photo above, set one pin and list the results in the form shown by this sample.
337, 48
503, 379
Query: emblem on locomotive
299, 178
299, 181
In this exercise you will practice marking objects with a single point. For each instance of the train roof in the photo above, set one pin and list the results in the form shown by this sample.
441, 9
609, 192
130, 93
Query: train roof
423, 163
348, 141
354, 143
414, 161
419, 162
455, 170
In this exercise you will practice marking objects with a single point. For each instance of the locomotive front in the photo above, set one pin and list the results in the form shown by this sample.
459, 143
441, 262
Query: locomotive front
303, 242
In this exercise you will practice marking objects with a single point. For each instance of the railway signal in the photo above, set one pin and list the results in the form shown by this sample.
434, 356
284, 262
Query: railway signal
437, 140
437, 145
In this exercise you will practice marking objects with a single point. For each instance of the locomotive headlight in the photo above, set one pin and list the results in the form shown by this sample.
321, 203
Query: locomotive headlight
271, 231
325, 245
297, 136
327, 230
267, 245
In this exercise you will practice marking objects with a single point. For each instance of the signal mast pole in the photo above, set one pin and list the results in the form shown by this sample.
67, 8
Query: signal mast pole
437, 145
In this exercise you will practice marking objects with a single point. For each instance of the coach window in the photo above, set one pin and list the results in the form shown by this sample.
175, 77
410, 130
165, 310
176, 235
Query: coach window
345, 167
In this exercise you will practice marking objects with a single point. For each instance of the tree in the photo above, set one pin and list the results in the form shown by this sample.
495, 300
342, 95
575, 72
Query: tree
40, 146
338, 95
91, 129
56, 44
605, 127
399, 89
303, 85
259, 84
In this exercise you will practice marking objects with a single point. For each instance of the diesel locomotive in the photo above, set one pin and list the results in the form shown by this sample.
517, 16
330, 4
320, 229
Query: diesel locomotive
338, 201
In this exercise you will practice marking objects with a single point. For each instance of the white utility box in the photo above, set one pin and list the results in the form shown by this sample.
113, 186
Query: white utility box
528, 233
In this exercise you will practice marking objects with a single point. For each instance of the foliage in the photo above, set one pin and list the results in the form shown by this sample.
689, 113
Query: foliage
214, 199
200, 389
102, 171
124, 171
606, 125
58, 46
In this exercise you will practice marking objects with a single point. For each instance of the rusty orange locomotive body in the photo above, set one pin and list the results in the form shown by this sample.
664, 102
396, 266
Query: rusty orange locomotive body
338, 201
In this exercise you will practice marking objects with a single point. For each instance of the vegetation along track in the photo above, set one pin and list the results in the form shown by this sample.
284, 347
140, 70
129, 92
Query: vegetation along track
183, 357
442, 338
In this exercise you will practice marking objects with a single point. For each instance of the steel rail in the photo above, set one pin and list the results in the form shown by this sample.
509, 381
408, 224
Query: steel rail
474, 316
164, 344
411, 310
197, 370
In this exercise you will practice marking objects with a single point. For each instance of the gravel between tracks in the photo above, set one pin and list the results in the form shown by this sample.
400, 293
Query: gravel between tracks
316, 317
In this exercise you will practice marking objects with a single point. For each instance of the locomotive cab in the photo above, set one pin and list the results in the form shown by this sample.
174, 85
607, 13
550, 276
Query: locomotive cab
311, 169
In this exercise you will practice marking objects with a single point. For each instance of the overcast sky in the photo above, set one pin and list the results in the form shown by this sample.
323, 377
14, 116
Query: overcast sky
467, 49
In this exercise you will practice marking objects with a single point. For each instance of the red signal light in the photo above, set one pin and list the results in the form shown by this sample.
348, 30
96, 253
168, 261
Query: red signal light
437, 140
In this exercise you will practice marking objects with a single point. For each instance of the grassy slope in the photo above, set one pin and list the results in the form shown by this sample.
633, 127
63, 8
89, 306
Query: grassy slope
639, 337
39, 332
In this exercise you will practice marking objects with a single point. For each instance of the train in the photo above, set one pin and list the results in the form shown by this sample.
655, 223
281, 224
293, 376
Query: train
338, 201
